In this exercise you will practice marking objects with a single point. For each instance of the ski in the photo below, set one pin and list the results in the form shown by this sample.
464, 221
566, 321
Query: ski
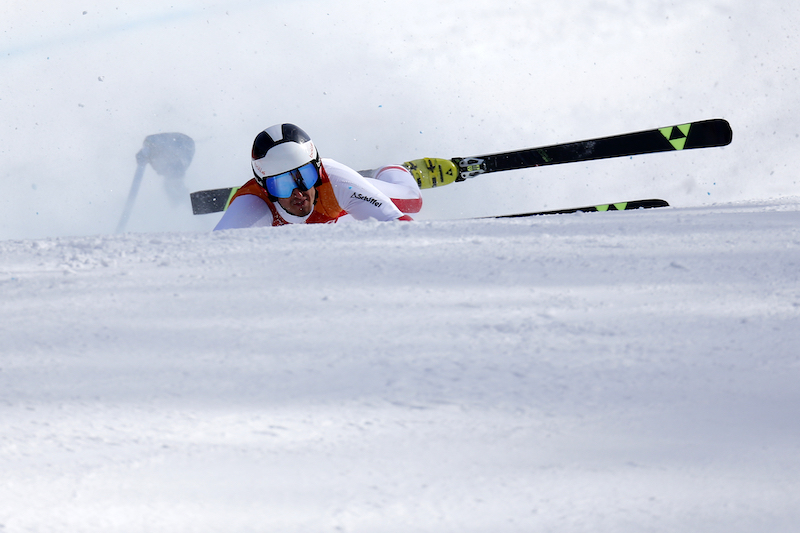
703, 134
212, 200
620, 206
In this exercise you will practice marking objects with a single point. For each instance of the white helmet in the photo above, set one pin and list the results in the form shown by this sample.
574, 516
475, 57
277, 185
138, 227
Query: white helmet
282, 148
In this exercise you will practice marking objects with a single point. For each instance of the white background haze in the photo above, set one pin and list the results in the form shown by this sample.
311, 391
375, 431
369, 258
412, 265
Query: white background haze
383, 82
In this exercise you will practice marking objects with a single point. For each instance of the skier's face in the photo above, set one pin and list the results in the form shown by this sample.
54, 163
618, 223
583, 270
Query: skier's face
300, 203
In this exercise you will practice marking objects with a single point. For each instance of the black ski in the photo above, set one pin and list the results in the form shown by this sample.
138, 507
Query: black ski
703, 134
620, 206
212, 201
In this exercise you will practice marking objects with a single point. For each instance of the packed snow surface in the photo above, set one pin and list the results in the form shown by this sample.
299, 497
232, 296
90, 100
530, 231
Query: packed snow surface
619, 371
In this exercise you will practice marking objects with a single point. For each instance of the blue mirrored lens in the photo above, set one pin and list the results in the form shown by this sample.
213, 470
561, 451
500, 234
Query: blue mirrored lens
284, 184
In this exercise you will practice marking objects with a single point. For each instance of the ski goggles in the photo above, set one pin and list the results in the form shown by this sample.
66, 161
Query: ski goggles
303, 178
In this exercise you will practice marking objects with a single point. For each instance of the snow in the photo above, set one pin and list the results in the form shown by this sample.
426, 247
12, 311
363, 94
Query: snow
619, 371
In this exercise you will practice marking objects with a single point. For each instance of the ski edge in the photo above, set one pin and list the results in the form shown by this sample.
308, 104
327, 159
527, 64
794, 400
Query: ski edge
618, 206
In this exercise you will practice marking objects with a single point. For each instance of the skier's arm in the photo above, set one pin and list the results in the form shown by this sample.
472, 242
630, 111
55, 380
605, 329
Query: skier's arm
358, 196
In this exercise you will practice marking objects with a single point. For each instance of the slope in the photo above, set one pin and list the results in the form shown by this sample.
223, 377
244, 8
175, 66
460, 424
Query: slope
620, 371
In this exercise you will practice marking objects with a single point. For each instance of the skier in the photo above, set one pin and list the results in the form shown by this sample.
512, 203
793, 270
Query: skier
293, 185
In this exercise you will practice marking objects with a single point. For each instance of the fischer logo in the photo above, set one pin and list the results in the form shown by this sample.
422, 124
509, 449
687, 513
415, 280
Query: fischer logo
367, 199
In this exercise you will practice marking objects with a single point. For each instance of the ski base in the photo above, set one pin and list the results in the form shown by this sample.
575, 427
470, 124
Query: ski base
620, 206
